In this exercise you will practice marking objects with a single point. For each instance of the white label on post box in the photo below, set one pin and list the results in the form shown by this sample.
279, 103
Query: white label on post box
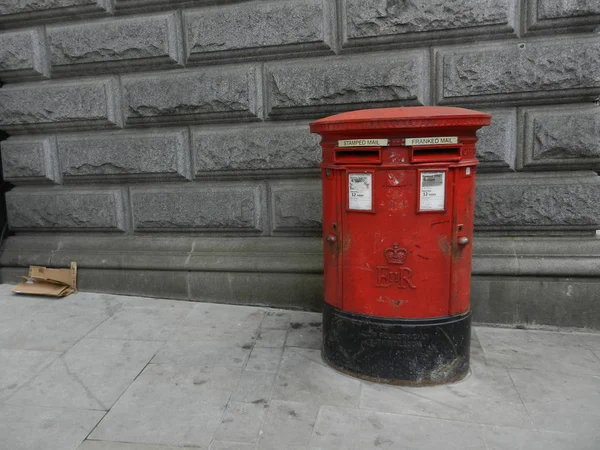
360, 191
431, 140
433, 191
364, 143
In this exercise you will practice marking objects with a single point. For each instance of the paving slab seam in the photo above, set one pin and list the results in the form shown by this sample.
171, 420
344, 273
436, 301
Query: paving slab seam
61, 355
3, 401
259, 433
123, 392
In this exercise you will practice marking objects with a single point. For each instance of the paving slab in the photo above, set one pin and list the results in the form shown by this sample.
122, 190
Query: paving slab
17, 367
559, 402
36, 428
254, 387
507, 438
148, 324
353, 429
303, 377
201, 354
284, 320
487, 395
223, 377
109, 445
170, 405
54, 329
242, 422
538, 350
289, 425
270, 338
264, 359
223, 445
90, 375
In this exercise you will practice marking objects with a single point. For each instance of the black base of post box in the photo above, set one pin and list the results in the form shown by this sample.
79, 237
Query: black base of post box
417, 352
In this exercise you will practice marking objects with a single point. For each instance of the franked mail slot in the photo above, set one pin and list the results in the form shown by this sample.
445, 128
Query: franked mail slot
357, 156
430, 154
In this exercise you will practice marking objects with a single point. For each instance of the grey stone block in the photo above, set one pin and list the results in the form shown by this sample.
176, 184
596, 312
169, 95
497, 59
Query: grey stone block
556, 301
60, 209
549, 202
223, 207
497, 144
23, 56
514, 73
30, 159
255, 148
133, 6
14, 13
329, 85
75, 105
109, 46
147, 155
225, 93
296, 206
259, 29
384, 23
560, 137
551, 16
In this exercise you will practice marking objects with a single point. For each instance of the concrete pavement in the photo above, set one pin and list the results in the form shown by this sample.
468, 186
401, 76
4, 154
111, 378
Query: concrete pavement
100, 372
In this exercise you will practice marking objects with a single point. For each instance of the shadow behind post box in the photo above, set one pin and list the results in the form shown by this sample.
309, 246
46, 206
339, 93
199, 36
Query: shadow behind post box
398, 193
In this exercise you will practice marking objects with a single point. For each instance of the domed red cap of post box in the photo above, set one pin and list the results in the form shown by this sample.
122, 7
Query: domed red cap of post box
410, 117
398, 206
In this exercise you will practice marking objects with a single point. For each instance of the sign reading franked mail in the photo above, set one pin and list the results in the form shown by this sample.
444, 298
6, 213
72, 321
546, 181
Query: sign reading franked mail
364, 143
431, 140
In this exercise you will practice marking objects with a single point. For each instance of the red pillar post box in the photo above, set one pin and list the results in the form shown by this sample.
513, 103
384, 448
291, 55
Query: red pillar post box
398, 194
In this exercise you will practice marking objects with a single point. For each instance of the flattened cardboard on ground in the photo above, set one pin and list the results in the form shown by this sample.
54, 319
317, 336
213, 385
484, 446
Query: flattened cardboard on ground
48, 281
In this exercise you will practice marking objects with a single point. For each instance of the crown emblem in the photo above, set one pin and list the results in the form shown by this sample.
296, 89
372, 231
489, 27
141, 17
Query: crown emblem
395, 254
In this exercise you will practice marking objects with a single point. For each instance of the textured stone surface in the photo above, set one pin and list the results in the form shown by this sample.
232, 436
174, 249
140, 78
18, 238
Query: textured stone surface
545, 202
383, 22
147, 42
497, 144
259, 29
563, 137
513, 73
132, 6
62, 209
123, 156
280, 290
23, 56
199, 96
30, 159
255, 148
296, 205
556, 301
553, 9
571, 15
233, 207
13, 12
31, 427
63, 106
346, 83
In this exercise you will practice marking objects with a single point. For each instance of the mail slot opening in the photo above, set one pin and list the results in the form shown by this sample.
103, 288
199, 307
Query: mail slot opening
350, 156
435, 154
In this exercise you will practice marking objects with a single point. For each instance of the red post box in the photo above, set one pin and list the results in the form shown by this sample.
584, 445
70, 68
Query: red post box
398, 193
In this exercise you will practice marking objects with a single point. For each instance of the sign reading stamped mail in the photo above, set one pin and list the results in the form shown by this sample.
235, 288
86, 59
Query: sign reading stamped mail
364, 143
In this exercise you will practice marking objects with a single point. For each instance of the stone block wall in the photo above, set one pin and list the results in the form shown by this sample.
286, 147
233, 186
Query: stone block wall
164, 144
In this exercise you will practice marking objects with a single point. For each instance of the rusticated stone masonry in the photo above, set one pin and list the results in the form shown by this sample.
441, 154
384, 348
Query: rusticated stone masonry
208, 100
180, 118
